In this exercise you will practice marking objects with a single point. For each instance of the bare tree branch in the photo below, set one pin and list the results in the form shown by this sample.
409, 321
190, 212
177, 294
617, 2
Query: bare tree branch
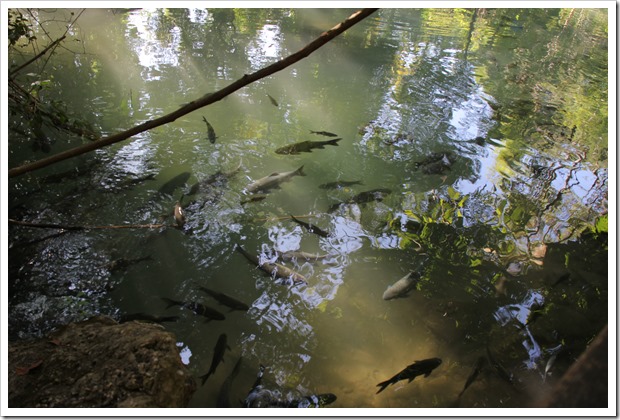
202, 102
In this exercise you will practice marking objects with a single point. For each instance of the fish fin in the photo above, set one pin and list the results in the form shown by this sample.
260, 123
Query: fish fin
334, 142
300, 171
384, 385
205, 377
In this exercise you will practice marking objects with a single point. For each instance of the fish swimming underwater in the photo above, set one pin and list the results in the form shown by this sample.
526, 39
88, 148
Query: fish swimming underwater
273, 180
273, 269
401, 287
197, 308
310, 228
324, 133
364, 197
210, 131
225, 300
420, 367
306, 146
218, 356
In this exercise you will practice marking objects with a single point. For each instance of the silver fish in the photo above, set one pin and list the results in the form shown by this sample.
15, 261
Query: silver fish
273, 180
401, 287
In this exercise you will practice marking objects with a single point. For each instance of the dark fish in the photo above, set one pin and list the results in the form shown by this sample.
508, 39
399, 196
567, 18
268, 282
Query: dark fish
301, 255
226, 300
274, 180
210, 131
474, 374
310, 228
147, 317
273, 101
169, 187
364, 197
339, 185
275, 269
305, 146
501, 370
218, 357
123, 263
324, 133
197, 308
421, 367
254, 198
223, 398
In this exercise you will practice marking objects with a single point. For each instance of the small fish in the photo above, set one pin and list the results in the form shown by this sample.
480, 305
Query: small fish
306, 146
275, 269
197, 308
401, 287
364, 197
226, 300
179, 214
218, 357
223, 398
147, 317
210, 131
474, 374
310, 228
338, 185
549, 364
254, 198
300, 255
273, 180
420, 367
273, 101
324, 133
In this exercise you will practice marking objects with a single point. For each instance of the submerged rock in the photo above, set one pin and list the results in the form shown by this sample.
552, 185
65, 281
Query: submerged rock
99, 363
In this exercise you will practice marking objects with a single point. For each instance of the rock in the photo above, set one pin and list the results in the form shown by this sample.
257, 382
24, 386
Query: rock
99, 363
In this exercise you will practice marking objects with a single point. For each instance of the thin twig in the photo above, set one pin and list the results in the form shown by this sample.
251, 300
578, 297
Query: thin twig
199, 103
85, 227
36, 57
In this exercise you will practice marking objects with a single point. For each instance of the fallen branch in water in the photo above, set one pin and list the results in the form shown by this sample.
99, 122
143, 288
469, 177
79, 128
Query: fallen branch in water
86, 227
201, 102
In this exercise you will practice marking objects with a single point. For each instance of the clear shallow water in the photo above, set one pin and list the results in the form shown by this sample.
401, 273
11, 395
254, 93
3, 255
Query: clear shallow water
396, 88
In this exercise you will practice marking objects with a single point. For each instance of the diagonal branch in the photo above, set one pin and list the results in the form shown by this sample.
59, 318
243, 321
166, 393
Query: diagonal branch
201, 102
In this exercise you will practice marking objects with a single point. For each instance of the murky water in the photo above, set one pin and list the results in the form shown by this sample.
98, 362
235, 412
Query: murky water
469, 122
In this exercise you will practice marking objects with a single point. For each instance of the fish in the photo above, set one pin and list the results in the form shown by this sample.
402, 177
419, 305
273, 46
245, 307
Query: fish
218, 356
147, 317
171, 185
179, 214
223, 398
420, 367
401, 287
197, 308
306, 146
501, 370
123, 263
226, 300
254, 198
549, 364
364, 197
338, 185
273, 101
273, 180
437, 162
310, 228
301, 255
210, 131
324, 133
480, 363
275, 269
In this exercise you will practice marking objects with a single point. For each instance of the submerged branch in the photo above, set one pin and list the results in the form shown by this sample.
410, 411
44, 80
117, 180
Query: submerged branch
85, 227
202, 102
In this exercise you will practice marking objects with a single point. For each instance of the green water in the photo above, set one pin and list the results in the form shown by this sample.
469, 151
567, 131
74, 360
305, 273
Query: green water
517, 97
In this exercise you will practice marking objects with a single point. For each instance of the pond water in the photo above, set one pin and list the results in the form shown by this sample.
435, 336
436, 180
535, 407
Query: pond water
479, 137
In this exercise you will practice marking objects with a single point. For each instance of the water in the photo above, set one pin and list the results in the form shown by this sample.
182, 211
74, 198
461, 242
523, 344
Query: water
498, 238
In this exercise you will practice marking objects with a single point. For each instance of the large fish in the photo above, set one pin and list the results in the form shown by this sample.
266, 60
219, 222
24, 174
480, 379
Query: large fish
226, 300
421, 367
310, 228
223, 398
306, 146
274, 180
218, 357
364, 197
275, 269
301, 255
171, 185
197, 308
401, 287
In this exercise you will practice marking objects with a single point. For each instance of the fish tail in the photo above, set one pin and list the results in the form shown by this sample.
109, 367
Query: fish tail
384, 385
300, 171
170, 302
205, 377
334, 142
